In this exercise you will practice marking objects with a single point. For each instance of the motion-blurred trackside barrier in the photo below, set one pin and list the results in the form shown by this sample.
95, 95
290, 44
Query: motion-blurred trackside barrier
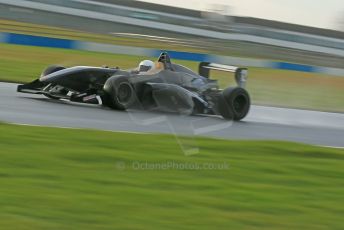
321, 44
30, 40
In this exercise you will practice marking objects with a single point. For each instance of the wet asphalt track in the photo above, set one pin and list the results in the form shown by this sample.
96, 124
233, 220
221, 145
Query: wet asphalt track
262, 123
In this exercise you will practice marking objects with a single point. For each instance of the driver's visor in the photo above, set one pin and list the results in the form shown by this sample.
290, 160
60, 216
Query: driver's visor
144, 68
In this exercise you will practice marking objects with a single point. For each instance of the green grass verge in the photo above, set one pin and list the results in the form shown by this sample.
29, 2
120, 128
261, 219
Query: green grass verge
269, 87
69, 179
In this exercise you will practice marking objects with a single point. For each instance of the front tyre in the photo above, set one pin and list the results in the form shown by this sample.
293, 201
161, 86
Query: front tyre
52, 69
234, 103
119, 93
49, 70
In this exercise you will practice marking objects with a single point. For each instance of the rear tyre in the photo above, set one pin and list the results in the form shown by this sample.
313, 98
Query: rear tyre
234, 103
120, 93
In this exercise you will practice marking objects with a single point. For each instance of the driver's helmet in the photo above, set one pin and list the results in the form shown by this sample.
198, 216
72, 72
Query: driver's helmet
146, 65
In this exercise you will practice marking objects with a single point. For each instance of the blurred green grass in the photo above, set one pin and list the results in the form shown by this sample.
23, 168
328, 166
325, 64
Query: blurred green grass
69, 179
266, 86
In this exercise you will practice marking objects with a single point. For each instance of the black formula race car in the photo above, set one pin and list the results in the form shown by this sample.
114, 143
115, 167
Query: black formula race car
165, 87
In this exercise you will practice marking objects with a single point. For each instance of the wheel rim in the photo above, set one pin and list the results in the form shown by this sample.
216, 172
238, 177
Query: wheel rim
239, 104
124, 93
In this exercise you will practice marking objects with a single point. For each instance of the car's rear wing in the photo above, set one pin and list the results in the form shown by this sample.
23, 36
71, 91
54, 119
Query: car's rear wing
240, 74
